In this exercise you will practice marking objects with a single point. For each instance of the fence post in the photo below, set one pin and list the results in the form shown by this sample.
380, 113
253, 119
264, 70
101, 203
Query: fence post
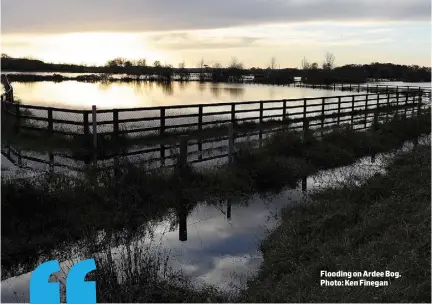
233, 113
230, 143
86, 129
116, 125
162, 122
94, 125
284, 110
358, 88
352, 111
339, 110
334, 86
200, 117
378, 100
419, 104
183, 151
17, 117
322, 114
367, 88
366, 110
50, 121
350, 88
397, 97
304, 108
261, 111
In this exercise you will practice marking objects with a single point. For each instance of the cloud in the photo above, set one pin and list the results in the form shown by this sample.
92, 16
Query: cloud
191, 41
53, 16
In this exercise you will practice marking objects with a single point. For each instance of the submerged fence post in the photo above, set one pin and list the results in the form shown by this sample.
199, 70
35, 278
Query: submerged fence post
94, 125
230, 143
183, 151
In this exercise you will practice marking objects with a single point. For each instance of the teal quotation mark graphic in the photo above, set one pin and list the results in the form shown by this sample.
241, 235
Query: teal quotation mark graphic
78, 291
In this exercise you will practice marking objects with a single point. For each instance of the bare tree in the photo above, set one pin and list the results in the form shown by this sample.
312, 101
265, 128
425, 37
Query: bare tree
314, 66
157, 64
273, 63
217, 65
183, 73
141, 62
305, 64
235, 64
329, 61
201, 64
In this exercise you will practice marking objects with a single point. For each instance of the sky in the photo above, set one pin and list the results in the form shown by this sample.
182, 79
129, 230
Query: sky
252, 31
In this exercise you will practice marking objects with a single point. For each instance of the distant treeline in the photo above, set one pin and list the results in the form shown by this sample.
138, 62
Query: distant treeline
310, 73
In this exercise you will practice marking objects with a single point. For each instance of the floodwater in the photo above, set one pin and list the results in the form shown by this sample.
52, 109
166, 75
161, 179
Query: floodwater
81, 95
219, 244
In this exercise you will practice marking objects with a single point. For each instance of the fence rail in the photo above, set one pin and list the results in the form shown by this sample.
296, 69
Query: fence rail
161, 121
210, 151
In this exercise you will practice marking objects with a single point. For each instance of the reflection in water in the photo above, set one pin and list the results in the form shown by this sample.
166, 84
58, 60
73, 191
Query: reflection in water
235, 93
167, 88
182, 85
201, 86
182, 216
212, 244
81, 95
104, 85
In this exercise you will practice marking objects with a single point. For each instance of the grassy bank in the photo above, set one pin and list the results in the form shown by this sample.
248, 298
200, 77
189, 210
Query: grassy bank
381, 225
54, 210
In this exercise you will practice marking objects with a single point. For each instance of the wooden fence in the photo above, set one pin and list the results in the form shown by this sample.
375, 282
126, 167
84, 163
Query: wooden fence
161, 121
369, 88
204, 152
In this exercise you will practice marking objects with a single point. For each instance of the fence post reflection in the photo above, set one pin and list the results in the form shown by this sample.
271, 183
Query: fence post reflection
182, 218
162, 154
228, 209
51, 162
304, 184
